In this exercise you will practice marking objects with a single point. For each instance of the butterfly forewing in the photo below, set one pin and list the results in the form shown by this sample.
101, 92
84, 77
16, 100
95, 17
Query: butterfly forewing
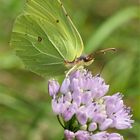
60, 30
44, 37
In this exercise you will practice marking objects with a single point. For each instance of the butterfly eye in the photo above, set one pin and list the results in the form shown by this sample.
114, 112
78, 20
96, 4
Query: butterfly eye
89, 58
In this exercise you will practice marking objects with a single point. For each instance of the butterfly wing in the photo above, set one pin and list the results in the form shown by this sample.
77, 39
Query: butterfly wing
44, 36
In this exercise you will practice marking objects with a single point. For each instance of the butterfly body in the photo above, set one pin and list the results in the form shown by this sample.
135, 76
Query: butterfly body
80, 61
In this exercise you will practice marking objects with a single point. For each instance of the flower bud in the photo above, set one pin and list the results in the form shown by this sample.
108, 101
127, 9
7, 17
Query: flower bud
92, 127
83, 127
105, 124
65, 86
53, 87
69, 135
82, 135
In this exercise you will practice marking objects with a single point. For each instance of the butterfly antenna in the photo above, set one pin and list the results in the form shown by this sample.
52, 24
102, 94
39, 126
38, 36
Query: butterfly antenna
106, 50
92, 55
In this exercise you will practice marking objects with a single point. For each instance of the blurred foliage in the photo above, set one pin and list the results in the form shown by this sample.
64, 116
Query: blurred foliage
25, 108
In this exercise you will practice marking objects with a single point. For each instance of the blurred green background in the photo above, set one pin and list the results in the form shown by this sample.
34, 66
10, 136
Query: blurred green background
25, 109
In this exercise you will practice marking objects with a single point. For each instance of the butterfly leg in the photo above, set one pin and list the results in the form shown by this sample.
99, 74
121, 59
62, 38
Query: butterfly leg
74, 68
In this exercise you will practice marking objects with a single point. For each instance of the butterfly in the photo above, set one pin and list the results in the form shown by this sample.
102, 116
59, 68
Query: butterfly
46, 39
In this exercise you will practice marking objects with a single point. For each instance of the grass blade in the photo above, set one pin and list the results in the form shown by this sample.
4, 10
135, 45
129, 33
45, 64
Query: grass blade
109, 26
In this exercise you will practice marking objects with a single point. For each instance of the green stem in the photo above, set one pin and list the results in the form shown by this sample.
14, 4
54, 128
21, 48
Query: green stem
60, 122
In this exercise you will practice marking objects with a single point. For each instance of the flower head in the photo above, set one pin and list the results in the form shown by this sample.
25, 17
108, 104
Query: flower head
84, 107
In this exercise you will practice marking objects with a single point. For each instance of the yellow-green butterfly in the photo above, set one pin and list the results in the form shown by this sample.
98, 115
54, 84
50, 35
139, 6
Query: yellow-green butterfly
46, 39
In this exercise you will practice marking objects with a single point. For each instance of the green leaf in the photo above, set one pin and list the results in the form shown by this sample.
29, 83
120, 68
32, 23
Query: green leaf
14, 104
11, 101
109, 26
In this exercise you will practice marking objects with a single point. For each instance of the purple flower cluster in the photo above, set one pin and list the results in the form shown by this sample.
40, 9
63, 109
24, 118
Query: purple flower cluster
85, 135
85, 110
